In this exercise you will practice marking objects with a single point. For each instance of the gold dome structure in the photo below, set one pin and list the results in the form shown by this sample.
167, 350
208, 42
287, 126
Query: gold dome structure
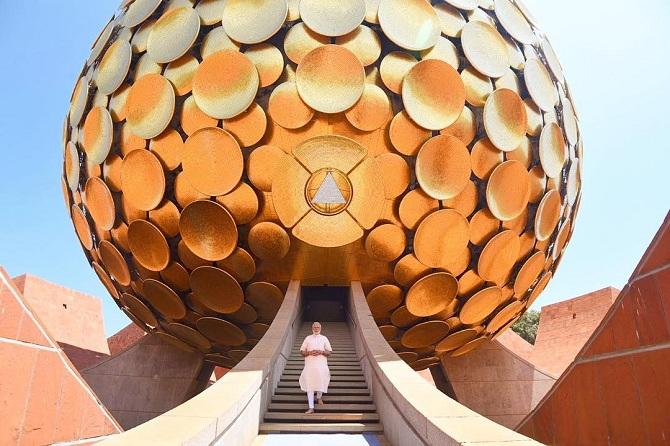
216, 149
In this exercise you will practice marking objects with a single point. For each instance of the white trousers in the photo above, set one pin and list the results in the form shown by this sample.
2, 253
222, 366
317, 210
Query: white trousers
310, 398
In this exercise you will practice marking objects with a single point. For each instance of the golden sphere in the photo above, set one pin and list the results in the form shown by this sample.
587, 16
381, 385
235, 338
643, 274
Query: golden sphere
214, 152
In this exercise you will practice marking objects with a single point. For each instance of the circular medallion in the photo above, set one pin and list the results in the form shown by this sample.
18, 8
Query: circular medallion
328, 191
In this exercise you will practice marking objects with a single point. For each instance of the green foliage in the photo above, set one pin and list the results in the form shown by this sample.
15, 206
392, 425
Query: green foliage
526, 326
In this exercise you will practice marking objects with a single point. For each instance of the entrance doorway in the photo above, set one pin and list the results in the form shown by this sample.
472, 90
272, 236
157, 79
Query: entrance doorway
324, 303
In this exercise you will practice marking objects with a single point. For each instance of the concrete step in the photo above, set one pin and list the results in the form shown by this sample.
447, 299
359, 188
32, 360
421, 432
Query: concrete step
333, 384
328, 399
332, 372
321, 417
295, 390
327, 407
332, 367
266, 428
333, 378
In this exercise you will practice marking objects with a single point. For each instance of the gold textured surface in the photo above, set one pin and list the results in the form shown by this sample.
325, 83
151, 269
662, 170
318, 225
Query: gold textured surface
428, 149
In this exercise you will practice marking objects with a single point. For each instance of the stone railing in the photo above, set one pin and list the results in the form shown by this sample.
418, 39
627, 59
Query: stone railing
228, 412
411, 410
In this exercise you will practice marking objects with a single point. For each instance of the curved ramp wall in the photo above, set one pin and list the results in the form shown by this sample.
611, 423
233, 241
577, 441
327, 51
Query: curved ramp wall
412, 411
228, 412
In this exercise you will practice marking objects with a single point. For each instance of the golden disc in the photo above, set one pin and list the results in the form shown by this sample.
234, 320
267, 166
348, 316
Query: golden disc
184, 193
523, 153
518, 225
120, 236
498, 257
208, 230
443, 50
71, 166
287, 108
485, 48
220, 331
253, 22
217, 40
485, 158
174, 341
469, 283
225, 83
98, 132
144, 66
466, 5
425, 334
433, 94
386, 242
269, 241
248, 127
138, 309
408, 270
389, 332
451, 20
505, 119
330, 79
193, 119
148, 245
508, 190
190, 260
466, 202
130, 141
395, 174
212, 161
150, 105
481, 305
372, 111
332, 17
166, 218
477, 87
255, 331
176, 277
168, 147
241, 202
114, 262
514, 22
210, 11
402, 318
238, 355
431, 294
505, 315
216, 289
78, 101
457, 340
383, 299
408, 356
300, 40
530, 271
538, 183
269, 62
470, 346
440, 237
407, 137
139, 40
552, 150
443, 167
415, 206
181, 72
129, 212
539, 287
239, 264
113, 67
142, 179
393, 69
540, 86
139, 11
163, 299
364, 43
261, 166
173, 34
548, 214
100, 203
190, 336
483, 226
265, 297
111, 171
410, 24
245, 315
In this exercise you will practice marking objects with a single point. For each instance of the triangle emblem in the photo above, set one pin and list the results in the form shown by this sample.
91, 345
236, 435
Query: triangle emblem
328, 192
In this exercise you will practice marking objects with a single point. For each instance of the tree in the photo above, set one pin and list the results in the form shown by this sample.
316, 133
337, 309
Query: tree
526, 326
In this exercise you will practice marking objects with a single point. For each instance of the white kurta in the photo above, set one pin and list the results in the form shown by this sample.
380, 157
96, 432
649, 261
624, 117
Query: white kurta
315, 376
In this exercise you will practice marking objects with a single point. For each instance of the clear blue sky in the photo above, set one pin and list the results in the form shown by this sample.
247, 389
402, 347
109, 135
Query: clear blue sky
615, 54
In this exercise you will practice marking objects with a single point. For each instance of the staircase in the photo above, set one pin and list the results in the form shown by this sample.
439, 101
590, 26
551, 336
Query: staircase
348, 406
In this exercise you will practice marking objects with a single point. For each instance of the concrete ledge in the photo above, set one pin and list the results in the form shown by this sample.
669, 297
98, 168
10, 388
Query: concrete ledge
229, 412
411, 410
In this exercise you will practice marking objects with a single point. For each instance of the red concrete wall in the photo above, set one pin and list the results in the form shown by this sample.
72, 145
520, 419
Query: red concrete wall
43, 399
72, 318
617, 391
566, 326
124, 338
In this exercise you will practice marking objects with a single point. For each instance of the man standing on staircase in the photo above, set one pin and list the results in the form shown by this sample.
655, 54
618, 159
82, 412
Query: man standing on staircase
315, 376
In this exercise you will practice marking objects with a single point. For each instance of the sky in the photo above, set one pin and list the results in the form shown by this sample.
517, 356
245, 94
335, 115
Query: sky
616, 59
